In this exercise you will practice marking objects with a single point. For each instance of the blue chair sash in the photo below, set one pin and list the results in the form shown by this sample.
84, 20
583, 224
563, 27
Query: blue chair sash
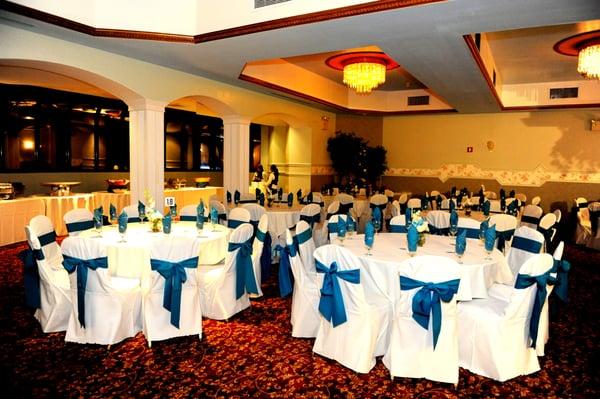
426, 301
525, 281
311, 220
248, 201
344, 208
471, 233
232, 224
561, 281
397, 228
439, 231
175, 276
80, 226
530, 219
134, 219
304, 236
244, 273
332, 227
265, 256
286, 279
331, 304
188, 218
582, 205
81, 266
222, 216
502, 237
526, 244
31, 277
47, 238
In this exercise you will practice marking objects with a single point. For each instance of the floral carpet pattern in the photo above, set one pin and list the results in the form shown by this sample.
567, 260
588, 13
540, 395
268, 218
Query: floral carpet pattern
254, 355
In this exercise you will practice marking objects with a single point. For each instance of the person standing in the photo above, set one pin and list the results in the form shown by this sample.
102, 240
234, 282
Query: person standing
273, 180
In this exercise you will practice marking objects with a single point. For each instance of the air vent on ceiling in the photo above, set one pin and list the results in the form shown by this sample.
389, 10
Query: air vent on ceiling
564, 92
418, 100
265, 3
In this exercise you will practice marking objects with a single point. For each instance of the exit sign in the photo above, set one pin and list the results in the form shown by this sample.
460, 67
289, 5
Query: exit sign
469, 149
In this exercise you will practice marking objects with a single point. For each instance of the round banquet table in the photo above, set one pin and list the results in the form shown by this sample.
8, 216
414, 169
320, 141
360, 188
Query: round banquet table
131, 259
390, 249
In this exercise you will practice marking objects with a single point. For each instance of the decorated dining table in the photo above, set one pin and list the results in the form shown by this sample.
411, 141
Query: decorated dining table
129, 251
479, 270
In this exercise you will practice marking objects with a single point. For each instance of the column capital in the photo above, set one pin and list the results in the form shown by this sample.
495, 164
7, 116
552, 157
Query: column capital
147, 104
235, 120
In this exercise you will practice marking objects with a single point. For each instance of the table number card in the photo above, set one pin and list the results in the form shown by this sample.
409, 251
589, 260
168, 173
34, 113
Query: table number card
169, 201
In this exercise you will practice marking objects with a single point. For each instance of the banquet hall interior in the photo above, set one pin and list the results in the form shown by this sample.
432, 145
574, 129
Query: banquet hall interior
300, 198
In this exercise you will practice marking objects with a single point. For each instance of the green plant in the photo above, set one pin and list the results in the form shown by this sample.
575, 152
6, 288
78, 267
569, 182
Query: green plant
345, 152
375, 163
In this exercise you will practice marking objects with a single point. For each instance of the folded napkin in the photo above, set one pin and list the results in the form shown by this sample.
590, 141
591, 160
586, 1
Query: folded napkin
453, 191
369, 234
483, 227
166, 223
123, 222
412, 237
290, 200
280, 194
511, 209
98, 217
451, 204
261, 199
424, 203
439, 200
377, 215
350, 225
502, 204
341, 227
113, 212
486, 208
408, 217
309, 198
512, 194
214, 214
453, 219
299, 195
490, 238
236, 197
459, 198
141, 209
228, 197
173, 210
502, 193
461, 242
200, 215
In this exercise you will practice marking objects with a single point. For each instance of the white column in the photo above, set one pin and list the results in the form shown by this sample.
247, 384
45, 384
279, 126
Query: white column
147, 150
236, 154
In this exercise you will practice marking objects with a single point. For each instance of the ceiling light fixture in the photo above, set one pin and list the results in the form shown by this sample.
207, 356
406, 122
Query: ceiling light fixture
586, 46
363, 71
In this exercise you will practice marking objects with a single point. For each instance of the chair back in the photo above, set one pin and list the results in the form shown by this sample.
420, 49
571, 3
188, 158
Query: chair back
470, 225
439, 220
238, 216
403, 199
344, 198
247, 198
378, 199
490, 195
132, 213
521, 197
333, 208
581, 203
256, 211
317, 198
332, 225
41, 236
395, 208
311, 213
531, 216
558, 215
503, 222
77, 220
306, 245
414, 203
525, 244
446, 203
521, 299
398, 224
536, 200
240, 234
190, 212
495, 206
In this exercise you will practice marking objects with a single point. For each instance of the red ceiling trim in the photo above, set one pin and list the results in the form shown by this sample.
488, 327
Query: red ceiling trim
319, 16
365, 112
479, 61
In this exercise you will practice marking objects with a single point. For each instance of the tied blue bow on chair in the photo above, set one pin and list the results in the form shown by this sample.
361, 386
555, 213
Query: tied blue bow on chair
311, 220
303, 237
244, 273
561, 281
265, 256
286, 283
331, 304
175, 275
526, 281
31, 277
504, 236
81, 266
426, 301
525, 244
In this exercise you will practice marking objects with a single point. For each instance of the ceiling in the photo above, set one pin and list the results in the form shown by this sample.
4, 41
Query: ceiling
426, 40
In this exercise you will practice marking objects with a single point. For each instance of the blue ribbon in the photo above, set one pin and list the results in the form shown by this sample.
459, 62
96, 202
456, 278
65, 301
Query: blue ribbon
547, 233
187, 218
304, 236
504, 236
31, 278
80, 226
134, 219
426, 301
471, 233
530, 219
245, 281
332, 227
232, 224
525, 281
331, 304
265, 256
526, 244
175, 276
47, 238
344, 208
397, 228
286, 283
561, 283
311, 220
72, 264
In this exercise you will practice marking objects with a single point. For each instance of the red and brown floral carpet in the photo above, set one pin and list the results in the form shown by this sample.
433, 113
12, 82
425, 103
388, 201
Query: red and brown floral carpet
253, 355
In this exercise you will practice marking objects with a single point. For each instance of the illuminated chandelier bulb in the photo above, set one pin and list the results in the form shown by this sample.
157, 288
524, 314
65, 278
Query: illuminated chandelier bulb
589, 62
363, 77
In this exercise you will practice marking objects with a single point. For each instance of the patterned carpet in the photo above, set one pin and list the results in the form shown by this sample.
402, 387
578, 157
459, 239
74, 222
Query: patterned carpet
253, 355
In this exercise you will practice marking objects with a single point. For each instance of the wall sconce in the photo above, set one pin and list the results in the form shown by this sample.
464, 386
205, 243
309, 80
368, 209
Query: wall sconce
325, 120
27, 144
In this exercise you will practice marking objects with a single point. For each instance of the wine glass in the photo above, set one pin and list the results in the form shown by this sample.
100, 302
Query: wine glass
453, 230
199, 227
142, 216
98, 226
481, 237
122, 231
489, 252
460, 255
377, 225
173, 212
369, 247
350, 230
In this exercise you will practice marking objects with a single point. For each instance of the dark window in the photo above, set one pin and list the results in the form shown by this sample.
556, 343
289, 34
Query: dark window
418, 100
51, 130
565, 92
255, 146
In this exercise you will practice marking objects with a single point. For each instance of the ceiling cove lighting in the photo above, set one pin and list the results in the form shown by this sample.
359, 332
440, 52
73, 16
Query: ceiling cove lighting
586, 46
363, 71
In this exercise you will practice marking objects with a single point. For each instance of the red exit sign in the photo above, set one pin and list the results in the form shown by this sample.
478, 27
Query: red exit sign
469, 149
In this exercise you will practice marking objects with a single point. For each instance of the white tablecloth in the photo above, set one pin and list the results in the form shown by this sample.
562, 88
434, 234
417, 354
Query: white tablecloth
132, 258
282, 218
15, 215
390, 249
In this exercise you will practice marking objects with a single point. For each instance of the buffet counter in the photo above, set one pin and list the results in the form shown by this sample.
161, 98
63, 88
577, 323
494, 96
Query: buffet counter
15, 215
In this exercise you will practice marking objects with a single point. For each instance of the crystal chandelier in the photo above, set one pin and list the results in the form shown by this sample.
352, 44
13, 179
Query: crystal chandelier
364, 76
589, 62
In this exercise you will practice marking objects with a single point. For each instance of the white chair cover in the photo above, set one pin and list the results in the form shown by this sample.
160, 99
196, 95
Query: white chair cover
112, 305
493, 334
531, 211
503, 223
414, 203
446, 203
471, 225
55, 301
333, 208
78, 215
191, 210
157, 319
402, 199
305, 300
438, 219
398, 224
411, 352
496, 206
217, 283
368, 314
257, 249
306, 245
237, 215
344, 198
395, 208
378, 199
256, 211
536, 200
546, 227
317, 198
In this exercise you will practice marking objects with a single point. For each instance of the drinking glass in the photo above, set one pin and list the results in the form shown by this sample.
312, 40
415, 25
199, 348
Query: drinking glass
341, 239
369, 249
453, 230
122, 231
489, 253
350, 231
142, 216
199, 229
98, 227
481, 237
459, 256
377, 225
